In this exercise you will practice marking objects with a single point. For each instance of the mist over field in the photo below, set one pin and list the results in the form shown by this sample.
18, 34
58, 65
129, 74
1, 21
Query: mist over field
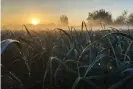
67, 44
51, 27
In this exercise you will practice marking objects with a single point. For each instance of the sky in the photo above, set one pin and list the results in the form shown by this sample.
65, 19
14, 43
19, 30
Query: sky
49, 11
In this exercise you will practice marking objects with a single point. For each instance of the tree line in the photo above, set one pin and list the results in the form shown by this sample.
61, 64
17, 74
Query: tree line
103, 16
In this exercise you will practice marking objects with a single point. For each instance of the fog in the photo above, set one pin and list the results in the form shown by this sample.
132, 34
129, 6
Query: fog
51, 27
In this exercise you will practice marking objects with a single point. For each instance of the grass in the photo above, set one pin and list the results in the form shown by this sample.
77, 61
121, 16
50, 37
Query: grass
68, 59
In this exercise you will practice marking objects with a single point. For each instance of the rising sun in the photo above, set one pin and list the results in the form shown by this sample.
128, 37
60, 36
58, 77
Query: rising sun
35, 21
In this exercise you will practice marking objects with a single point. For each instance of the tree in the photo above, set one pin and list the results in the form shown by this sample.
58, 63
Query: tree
64, 20
130, 19
100, 15
122, 19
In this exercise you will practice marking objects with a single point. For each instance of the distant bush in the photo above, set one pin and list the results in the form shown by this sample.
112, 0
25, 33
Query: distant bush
64, 20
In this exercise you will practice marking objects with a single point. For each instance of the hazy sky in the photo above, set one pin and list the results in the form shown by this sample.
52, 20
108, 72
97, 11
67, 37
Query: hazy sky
48, 11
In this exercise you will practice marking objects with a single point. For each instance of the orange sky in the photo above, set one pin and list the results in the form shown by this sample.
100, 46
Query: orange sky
49, 11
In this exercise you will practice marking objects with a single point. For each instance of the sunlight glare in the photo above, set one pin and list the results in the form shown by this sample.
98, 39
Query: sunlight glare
35, 21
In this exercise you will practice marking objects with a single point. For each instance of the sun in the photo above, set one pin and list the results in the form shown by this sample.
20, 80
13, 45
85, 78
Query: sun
35, 21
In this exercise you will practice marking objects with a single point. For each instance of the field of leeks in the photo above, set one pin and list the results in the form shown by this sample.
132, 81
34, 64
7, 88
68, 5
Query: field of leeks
67, 59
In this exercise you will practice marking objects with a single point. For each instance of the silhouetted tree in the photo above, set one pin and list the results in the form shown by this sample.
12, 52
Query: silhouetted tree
130, 19
122, 19
100, 15
64, 20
